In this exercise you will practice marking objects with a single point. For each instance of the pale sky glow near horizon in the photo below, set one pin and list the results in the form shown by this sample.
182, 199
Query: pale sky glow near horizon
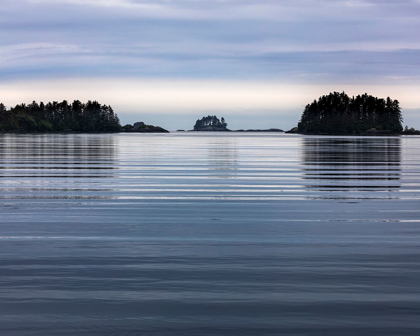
257, 63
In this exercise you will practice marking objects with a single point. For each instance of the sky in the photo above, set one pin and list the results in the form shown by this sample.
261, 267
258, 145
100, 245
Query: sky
170, 62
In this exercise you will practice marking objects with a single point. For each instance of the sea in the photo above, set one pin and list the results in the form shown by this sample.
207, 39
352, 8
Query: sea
193, 233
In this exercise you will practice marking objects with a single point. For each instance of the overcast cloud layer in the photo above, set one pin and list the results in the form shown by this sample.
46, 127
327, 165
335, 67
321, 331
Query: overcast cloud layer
229, 54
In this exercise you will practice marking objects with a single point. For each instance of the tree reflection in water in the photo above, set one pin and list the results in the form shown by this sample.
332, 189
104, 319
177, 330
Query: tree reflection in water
52, 166
352, 163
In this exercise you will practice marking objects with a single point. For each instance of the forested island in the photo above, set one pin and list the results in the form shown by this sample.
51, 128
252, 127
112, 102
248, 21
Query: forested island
59, 117
337, 113
211, 123
214, 124
90, 117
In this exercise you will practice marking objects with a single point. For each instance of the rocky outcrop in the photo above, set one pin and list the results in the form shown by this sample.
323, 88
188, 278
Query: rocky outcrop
141, 127
294, 130
410, 131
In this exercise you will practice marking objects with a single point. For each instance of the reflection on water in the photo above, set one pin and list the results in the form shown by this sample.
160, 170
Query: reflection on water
66, 151
355, 164
222, 158
209, 234
55, 166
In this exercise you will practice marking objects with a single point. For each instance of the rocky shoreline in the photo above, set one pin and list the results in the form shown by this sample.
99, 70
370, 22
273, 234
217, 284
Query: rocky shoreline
141, 127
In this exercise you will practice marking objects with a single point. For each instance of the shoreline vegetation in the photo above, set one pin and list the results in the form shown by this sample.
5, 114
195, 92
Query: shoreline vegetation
55, 117
333, 114
62, 117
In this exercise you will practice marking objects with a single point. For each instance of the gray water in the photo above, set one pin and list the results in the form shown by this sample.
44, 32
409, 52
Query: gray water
209, 234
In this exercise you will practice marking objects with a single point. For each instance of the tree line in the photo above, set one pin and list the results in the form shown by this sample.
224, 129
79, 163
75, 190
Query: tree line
59, 117
337, 113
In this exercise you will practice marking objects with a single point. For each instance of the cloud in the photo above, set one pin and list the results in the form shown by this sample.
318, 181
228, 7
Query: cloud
15, 53
295, 43
248, 9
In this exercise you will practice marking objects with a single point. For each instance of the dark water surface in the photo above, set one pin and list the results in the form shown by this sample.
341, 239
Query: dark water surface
209, 234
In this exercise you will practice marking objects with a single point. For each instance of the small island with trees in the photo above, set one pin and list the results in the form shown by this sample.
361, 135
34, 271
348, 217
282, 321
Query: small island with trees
214, 124
339, 114
211, 124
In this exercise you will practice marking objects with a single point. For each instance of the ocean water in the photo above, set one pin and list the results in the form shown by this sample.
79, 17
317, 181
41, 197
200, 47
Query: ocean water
209, 234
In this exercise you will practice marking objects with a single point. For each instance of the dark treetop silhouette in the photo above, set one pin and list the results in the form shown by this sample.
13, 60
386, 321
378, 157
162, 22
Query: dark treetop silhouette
211, 123
59, 117
337, 113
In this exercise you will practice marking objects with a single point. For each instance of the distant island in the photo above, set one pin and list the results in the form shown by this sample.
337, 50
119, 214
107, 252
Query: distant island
141, 127
339, 114
214, 124
59, 117
211, 124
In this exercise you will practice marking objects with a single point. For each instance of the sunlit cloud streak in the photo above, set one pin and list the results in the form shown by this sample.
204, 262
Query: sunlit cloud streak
156, 100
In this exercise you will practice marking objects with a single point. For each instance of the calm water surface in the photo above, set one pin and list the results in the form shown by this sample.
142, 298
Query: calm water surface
209, 234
